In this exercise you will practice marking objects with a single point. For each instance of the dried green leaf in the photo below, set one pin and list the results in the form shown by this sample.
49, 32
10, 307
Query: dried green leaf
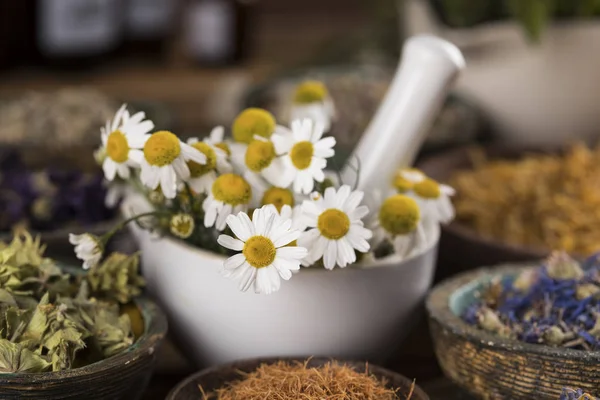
112, 332
7, 298
16, 358
37, 326
117, 278
13, 321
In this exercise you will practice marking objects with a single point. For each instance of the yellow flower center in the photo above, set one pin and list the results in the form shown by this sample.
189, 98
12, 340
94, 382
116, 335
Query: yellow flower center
333, 224
259, 155
162, 148
401, 184
278, 197
196, 169
253, 121
223, 146
427, 189
399, 214
301, 154
259, 251
117, 147
310, 92
182, 225
232, 189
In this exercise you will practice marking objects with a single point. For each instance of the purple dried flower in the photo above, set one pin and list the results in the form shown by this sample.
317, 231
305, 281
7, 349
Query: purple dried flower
575, 394
51, 199
556, 304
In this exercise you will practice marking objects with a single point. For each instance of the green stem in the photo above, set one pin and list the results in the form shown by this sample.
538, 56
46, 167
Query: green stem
106, 237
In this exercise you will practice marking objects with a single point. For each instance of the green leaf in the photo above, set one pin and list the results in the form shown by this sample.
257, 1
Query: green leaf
7, 298
117, 278
16, 358
37, 326
112, 332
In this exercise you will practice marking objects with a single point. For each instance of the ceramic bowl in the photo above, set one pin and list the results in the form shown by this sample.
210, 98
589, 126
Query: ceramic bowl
121, 377
458, 238
491, 367
360, 312
214, 378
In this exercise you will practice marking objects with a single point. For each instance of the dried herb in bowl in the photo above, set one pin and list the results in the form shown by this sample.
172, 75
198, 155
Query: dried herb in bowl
296, 380
546, 201
51, 320
575, 394
557, 304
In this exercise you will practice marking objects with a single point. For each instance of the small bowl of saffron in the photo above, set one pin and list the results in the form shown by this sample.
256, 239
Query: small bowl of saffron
291, 379
521, 331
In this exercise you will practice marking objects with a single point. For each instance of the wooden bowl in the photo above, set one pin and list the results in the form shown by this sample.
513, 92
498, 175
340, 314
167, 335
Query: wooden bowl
214, 378
123, 376
495, 368
457, 238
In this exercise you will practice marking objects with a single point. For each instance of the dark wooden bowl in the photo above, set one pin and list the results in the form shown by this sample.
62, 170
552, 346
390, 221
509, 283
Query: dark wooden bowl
121, 377
475, 250
214, 378
495, 368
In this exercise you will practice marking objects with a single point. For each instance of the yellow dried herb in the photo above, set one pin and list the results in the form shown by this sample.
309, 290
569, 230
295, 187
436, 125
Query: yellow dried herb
545, 201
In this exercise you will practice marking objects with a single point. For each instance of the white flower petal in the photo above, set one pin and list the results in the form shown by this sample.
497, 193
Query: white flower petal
353, 201
230, 243
234, 261
224, 212
123, 171
292, 253
192, 154
342, 195
358, 213
248, 279
330, 256
283, 269
346, 254
110, 168
168, 181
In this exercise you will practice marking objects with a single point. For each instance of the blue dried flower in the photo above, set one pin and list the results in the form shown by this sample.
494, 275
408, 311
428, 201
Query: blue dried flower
575, 394
557, 304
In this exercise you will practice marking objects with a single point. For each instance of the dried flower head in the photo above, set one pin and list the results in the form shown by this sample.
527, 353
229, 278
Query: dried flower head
182, 225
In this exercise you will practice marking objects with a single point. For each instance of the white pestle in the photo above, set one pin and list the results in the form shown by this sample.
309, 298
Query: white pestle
426, 71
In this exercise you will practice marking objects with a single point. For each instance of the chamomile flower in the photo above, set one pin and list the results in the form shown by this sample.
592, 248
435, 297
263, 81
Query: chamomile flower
202, 176
88, 248
164, 162
122, 138
299, 221
182, 225
399, 221
217, 139
259, 158
264, 193
265, 257
435, 200
337, 227
253, 122
305, 154
406, 178
230, 194
312, 101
